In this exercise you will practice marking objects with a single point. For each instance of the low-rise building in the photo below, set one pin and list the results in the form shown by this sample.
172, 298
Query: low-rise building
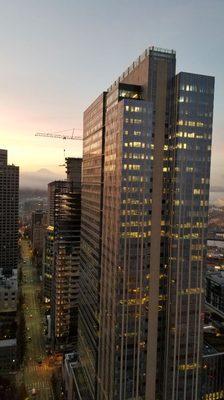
8, 355
8, 321
8, 292
214, 295
213, 368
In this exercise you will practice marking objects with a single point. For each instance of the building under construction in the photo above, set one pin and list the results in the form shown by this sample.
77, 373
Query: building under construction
63, 259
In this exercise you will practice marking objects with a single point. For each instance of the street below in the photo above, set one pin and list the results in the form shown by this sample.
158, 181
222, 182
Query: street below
36, 371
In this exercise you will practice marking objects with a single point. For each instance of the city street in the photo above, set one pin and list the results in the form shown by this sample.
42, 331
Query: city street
34, 375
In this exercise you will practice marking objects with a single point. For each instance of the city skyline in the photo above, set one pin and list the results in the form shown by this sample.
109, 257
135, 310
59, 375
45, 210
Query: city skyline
111, 200
46, 59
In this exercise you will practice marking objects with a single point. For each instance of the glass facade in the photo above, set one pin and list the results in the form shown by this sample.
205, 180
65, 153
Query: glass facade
190, 150
90, 253
124, 263
146, 165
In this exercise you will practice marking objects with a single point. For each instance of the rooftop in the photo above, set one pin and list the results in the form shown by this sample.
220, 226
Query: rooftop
8, 343
8, 282
213, 344
216, 276
145, 54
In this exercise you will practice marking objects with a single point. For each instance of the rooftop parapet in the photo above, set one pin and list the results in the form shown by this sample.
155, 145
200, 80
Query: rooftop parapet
149, 50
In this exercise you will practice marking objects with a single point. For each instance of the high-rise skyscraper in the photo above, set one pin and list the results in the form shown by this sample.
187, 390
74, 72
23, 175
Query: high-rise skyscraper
9, 206
146, 168
64, 232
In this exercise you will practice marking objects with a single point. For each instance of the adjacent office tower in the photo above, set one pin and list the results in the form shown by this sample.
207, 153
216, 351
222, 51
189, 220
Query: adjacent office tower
146, 167
9, 204
65, 216
38, 229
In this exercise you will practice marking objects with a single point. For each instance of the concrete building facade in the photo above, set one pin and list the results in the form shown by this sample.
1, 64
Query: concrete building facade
9, 208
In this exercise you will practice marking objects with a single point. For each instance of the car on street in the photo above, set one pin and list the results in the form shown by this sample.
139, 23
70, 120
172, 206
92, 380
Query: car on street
29, 338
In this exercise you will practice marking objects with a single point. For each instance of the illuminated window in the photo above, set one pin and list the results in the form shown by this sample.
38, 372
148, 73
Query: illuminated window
186, 367
137, 144
181, 145
196, 191
134, 121
136, 109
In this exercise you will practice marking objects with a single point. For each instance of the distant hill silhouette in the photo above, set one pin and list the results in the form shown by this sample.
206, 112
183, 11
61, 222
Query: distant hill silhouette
38, 179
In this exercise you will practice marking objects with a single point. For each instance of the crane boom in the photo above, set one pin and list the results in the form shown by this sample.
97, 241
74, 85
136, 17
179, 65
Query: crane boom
58, 136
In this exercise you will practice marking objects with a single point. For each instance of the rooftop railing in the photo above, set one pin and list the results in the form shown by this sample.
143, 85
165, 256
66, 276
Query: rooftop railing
138, 61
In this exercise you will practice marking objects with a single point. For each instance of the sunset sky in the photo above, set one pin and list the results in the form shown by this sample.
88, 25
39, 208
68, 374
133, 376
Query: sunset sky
58, 55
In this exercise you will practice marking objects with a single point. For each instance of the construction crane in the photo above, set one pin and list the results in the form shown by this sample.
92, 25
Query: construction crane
60, 135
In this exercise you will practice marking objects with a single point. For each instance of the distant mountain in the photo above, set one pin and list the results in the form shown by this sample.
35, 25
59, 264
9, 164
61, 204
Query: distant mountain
38, 179
45, 171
